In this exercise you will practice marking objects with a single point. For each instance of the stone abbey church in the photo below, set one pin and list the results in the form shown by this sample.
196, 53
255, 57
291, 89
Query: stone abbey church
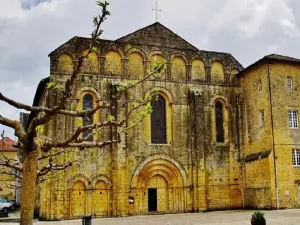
219, 137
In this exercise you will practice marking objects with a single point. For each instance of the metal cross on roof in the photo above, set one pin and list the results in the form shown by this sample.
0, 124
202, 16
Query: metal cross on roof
156, 11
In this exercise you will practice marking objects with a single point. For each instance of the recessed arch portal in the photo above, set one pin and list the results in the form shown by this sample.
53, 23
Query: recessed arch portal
164, 181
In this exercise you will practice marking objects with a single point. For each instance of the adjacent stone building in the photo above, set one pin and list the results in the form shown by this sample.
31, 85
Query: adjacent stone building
270, 88
208, 145
8, 182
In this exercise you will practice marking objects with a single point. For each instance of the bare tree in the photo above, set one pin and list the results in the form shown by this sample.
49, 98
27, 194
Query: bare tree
39, 152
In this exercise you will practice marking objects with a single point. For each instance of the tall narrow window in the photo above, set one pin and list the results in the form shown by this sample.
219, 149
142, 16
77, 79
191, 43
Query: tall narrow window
219, 122
290, 83
261, 118
259, 85
87, 103
293, 118
158, 120
296, 157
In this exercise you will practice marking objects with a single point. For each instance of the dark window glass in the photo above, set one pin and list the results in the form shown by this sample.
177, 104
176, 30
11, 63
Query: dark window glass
219, 122
87, 103
158, 120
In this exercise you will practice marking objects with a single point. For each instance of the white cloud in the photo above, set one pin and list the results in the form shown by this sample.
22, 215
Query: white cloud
246, 28
250, 18
10, 8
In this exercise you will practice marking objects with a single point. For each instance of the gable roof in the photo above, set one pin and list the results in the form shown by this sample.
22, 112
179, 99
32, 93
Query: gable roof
269, 59
159, 35
281, 58
6, 144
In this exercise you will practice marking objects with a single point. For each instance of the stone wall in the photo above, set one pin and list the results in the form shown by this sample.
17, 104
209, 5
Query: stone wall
190, 172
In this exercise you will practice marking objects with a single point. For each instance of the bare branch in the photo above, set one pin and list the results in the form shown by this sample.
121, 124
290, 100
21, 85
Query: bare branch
14, 124
14, 186
54, 167
55, 154
70, 81
68, 143
7, 163
10, 173
93, 144
29, 108
132, 125
20, 105
158, 69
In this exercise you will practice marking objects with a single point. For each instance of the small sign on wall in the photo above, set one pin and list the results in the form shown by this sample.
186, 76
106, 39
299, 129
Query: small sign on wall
131, 200
286, 193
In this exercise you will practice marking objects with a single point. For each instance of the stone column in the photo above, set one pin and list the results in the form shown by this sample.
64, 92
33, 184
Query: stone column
168, 71
188, 72
124, 67
101, 64
53, 66
208, 74
146, 66
227, 75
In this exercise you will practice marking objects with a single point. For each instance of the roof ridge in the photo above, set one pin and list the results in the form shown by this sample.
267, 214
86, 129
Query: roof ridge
156, 24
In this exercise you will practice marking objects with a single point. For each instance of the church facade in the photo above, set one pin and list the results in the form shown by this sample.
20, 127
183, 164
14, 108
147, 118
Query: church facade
195, 152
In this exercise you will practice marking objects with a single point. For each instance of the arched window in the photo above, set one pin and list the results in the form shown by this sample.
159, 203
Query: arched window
219, 122
87, 103
158, 120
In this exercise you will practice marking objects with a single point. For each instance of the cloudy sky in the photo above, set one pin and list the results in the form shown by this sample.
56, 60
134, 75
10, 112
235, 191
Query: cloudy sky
30, 29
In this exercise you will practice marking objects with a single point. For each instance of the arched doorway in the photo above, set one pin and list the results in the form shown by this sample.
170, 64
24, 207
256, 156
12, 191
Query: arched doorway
78, 200
158, 186
158, 194
236, 199
100, 199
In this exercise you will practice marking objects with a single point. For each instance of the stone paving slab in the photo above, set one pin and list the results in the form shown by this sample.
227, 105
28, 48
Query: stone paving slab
280, 217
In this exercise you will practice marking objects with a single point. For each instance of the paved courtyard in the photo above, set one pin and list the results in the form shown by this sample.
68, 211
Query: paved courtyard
281, 217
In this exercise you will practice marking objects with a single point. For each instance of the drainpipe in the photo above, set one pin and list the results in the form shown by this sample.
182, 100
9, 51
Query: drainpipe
273, 140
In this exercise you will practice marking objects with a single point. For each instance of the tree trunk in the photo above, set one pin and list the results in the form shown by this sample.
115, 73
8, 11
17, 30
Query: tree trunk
29, 186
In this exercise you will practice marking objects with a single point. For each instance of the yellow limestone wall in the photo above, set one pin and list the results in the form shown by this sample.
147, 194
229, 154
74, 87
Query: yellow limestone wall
65, 64
157, 58
113, 63
135, 66
91, 63
217, 72
187, 177
6, 180
286, 138
198, 70
260, 178
178, 69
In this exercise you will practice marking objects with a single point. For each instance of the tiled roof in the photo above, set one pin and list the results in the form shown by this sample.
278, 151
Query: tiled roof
6, 144
270, 58
282, 57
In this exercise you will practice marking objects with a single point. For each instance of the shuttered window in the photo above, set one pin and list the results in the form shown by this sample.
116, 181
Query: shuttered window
293, 118
296, 157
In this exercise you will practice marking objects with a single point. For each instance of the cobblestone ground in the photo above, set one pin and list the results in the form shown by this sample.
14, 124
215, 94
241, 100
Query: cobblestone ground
281, 217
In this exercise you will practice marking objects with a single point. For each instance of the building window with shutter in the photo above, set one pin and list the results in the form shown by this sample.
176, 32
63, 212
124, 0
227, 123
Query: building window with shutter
158, 120
296, 157
290, 83
293, 118
261, 118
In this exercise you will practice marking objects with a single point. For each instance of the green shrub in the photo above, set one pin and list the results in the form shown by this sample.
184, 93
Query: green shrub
258, 215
